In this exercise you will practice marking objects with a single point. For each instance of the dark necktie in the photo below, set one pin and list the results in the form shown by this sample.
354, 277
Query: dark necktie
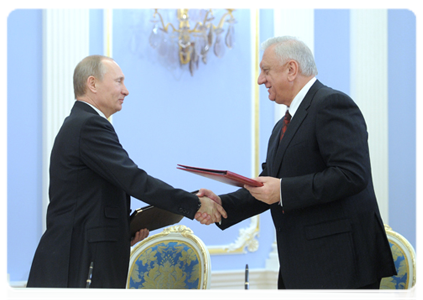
286, 121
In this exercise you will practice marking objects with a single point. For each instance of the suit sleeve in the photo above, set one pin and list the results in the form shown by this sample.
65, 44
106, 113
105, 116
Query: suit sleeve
341, 137
240, 205
101, 151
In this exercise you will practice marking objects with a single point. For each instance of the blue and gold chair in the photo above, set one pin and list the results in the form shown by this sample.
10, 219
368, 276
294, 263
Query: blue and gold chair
172, 259
405, 262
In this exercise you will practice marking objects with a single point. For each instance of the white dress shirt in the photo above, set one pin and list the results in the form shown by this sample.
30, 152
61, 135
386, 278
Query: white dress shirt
292, 110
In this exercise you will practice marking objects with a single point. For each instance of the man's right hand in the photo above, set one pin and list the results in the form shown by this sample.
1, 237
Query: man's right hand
210, 211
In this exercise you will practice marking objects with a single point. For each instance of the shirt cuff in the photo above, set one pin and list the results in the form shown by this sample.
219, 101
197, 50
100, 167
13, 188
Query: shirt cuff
280, 202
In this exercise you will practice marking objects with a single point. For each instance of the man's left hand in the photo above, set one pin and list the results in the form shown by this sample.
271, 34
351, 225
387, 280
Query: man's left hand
268, 193
139, 236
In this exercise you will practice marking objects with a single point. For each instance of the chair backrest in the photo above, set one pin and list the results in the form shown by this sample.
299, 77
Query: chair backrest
405, 262
172, 259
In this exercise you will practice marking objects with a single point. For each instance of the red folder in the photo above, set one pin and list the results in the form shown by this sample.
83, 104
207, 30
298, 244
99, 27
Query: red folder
222, 176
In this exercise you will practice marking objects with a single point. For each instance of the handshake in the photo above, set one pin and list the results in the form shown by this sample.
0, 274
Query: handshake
211, 210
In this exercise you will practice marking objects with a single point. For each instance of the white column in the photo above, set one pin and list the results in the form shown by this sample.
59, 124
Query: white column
65, 43
369, 89
298, 23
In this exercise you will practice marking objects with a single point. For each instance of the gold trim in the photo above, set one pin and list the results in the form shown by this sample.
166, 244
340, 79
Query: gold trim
257, 98
176, 230
246, 238
108, 14
408, 246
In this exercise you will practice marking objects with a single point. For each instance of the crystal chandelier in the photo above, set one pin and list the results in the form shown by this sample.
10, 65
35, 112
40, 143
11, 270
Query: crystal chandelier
192, 44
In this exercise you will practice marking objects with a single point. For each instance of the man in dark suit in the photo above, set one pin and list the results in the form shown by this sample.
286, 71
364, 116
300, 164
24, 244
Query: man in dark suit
317, 181
91, 181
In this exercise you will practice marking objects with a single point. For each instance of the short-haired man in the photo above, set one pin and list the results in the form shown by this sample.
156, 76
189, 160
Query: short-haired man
91, 181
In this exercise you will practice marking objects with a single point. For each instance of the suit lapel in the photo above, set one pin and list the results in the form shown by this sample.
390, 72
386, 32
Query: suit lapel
273, 147
293, 126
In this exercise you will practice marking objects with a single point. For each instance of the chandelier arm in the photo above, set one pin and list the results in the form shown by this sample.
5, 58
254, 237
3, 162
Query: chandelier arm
165, 27
171, 25
229, 13
206, 16
195, 27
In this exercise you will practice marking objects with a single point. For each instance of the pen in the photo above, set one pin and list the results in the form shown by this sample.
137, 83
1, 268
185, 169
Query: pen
90, 275
246, 277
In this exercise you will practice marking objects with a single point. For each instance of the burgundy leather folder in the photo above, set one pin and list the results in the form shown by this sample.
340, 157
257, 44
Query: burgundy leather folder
222, 176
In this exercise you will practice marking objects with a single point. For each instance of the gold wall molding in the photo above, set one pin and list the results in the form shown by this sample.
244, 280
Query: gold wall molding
108, 32
245, 240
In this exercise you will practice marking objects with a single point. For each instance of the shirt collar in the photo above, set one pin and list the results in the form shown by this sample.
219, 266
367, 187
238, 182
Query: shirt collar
299, 97
95, 108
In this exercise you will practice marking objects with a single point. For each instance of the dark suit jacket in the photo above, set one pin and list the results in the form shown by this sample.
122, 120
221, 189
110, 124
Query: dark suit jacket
91, 180
331, 234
